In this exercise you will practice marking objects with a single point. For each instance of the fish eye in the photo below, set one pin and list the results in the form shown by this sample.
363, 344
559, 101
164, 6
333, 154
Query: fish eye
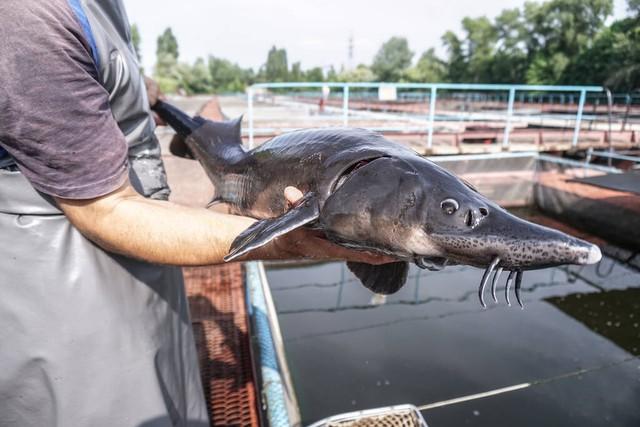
450, 206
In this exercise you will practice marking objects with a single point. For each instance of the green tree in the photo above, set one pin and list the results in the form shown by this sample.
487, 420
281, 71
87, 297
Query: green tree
510, 57
228, 77
167, 72
135, 41
332, 75
559, 31
456, 63
480, 40
613, 59
314, 75
471, 58
361, 73
167, 44
296, 74
547, 68
392, 59
429, 69
538, 44
276, 68
633, 6
195, 79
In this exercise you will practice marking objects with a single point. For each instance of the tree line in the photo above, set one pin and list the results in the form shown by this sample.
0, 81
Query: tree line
552, 42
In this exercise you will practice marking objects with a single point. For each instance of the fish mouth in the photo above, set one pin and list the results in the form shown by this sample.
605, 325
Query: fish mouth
431, 263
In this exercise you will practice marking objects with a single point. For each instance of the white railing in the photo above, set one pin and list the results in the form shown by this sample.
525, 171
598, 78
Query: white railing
433, 89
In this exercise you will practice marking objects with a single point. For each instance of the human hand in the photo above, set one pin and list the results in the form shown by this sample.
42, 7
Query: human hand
305, 243
154, 94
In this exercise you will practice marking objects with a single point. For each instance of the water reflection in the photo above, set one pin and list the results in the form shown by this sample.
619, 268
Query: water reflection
432, 341
614, 314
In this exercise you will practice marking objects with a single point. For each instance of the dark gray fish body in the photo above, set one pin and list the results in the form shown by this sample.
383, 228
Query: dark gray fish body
313, 160
365, 192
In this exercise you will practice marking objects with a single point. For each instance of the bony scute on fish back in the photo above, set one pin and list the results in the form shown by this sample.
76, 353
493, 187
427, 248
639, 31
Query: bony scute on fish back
365, 192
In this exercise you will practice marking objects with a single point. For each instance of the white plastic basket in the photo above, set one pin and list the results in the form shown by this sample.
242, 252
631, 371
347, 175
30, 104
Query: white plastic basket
392, 416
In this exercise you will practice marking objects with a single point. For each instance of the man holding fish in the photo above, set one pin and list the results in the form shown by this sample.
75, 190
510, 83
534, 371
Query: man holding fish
95, 323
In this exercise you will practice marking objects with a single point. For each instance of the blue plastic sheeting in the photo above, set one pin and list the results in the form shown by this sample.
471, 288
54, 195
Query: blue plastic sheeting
273, 391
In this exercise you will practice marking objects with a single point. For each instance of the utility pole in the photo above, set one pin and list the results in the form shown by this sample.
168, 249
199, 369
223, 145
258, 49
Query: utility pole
350, 53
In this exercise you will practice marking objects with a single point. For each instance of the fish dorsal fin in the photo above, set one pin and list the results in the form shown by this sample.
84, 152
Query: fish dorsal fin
228, 132
217, 144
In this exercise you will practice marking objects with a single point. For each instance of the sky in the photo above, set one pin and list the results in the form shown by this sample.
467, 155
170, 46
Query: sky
314, 32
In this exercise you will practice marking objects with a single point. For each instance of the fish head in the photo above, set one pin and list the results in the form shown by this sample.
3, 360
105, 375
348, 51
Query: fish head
385, 204
415, 209
484, 231
468, 228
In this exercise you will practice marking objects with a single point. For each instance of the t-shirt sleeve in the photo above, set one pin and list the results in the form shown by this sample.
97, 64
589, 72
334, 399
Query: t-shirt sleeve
55, 118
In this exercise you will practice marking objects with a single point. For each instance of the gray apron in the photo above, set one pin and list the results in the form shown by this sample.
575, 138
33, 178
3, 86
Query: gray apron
89, 338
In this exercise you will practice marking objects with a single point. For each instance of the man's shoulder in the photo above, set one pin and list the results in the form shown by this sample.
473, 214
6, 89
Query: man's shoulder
37, 15
43, 28
34, 9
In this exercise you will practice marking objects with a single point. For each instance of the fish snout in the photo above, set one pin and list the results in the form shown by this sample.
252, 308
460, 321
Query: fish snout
540, 252
587, 254
519, 244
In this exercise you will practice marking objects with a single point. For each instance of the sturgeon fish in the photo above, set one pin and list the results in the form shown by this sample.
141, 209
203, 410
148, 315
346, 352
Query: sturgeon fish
365, 192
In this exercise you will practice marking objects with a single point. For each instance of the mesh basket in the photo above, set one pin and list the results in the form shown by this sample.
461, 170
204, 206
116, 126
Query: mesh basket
394, 416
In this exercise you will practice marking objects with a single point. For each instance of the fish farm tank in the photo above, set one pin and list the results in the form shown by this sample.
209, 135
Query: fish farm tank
322, 350
570, 357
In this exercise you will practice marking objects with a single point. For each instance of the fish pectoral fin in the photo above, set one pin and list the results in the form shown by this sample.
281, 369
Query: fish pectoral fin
262, 232
382, 279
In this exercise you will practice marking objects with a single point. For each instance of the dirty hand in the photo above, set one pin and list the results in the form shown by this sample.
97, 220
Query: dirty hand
306, 243
154, 95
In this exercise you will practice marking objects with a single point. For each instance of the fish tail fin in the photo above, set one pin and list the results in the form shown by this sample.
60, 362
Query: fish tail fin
221, 141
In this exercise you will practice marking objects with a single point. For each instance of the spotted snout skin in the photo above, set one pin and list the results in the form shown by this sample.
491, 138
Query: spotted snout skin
520, 245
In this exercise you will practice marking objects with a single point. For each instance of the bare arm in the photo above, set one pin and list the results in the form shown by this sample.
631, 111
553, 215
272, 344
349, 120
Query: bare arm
162, 232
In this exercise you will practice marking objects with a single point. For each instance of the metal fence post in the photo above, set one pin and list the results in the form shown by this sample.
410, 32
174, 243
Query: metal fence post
345, 105
340, 286
250, 115
626, 111
576, 131
507, 128
432, 108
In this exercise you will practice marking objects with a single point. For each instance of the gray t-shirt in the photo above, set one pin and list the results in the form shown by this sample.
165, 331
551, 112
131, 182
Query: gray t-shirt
55, 118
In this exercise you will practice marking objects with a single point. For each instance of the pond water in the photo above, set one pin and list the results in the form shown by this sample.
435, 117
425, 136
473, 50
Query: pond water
570, 358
